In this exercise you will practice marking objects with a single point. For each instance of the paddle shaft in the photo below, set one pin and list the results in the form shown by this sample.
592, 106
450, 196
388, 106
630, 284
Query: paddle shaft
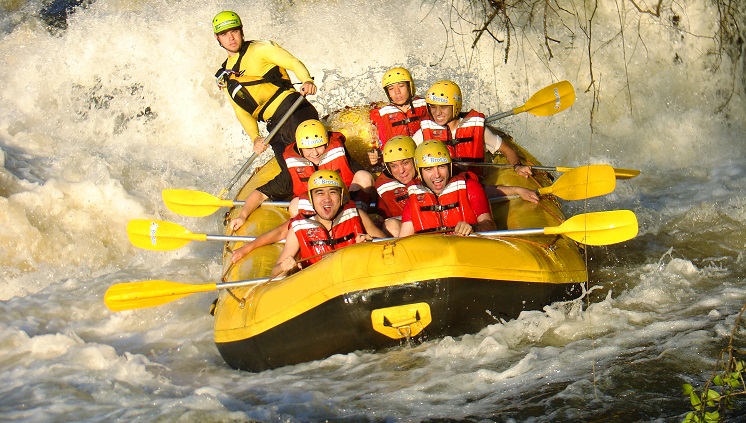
620, 173
239, 238
576, 183
508, 165
284, 204
499, 116
236, 284
253, 156
595, 228
229, 238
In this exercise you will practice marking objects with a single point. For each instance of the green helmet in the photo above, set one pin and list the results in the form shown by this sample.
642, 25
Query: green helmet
226, 20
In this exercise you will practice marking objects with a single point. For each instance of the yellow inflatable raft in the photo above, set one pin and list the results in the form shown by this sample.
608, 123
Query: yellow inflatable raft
377, 295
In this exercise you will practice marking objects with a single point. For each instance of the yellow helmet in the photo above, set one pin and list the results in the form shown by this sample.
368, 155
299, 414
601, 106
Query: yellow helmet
311, 133
399, 147
430, 154
226, 20
325, 178
445, 93
397, 74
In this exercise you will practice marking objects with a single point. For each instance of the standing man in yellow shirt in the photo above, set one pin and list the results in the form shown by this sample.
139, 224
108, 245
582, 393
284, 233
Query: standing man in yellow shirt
256, 79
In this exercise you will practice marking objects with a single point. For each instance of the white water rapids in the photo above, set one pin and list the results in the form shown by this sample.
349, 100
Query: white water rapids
98, 118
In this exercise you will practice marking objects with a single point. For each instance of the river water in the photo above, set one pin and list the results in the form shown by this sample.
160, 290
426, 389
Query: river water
101, 114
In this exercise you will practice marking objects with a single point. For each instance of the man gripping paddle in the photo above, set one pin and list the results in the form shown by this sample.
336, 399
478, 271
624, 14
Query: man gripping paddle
256, 80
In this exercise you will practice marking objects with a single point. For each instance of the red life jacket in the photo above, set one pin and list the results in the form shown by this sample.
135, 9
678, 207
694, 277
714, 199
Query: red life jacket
390, 121
333, 158
434, 213
313, 238
305, 208
392, 195
468, 142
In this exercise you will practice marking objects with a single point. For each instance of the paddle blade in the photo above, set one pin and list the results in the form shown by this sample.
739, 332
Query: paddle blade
549, 100
134, 295
625, 173
583, 182
599, 228
193, 203
159, 235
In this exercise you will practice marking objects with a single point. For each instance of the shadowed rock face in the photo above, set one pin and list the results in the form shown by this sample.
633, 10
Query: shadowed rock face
55, 13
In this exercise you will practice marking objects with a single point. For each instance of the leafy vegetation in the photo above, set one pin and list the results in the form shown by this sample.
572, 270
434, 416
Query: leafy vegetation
718, 395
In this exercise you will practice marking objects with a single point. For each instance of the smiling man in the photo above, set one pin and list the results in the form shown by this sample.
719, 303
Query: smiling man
336, 224
391, 184
464, 133
442, 202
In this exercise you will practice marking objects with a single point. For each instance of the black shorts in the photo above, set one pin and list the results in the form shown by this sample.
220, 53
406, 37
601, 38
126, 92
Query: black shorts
286, 134
278, 189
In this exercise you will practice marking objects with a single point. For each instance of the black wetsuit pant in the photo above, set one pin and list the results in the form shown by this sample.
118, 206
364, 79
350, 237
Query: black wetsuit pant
281, 187
286, 134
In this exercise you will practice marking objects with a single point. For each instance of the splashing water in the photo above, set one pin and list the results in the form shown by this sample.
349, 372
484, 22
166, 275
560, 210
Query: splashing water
102, 113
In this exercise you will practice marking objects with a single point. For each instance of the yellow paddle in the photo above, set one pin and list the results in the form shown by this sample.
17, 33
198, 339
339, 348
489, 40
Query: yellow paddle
582, 182
576, 184
596, 228
160, 235
194, 203
619, 173
545, 102
134, 295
